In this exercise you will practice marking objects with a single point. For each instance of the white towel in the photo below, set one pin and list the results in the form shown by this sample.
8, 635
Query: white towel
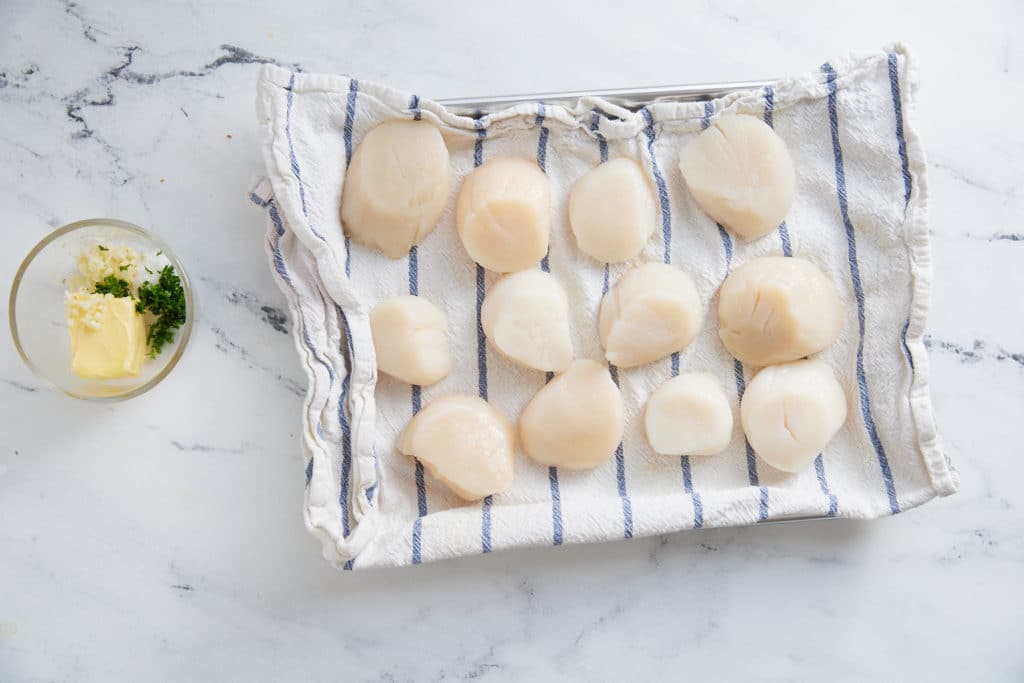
859, 213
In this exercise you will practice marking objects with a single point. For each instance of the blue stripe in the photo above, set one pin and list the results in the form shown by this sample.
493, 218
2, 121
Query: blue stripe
666, 209
542, 155
620, 455
851, 242
414, 271
481, 345
698, 507
282, 271
293, 158
417, 544
741, 383
901, 141
769, 119
542, 140
659, 181
903, 341
833, 502
666, 232
414, 105
346, 434
485, 531
602, 143
350, 117
556, 507
478, 146
416, 399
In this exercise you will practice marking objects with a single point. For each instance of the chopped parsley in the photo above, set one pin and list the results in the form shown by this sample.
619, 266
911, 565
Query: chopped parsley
114, 286
101, 247
124, 267
164, 299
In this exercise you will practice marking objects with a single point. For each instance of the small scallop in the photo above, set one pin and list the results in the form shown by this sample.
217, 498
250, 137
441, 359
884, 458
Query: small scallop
790, 412
576, 420
612, 211
740, 173
775, 309
689, 415
396, 186
410, 339
651, 312
464, 442
526, 316
503, 214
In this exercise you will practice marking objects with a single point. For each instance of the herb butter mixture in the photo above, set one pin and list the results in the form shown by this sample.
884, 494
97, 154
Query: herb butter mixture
121, 307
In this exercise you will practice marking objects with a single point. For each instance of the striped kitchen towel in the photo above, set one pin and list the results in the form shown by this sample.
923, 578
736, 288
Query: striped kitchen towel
859, 213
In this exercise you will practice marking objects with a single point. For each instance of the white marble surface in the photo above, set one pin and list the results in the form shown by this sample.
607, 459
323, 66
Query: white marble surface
161, 539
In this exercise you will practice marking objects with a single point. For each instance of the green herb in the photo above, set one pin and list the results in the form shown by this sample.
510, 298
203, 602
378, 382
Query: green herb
165, 299
101, 247
159, 253
114, 286
148, 270
124, 267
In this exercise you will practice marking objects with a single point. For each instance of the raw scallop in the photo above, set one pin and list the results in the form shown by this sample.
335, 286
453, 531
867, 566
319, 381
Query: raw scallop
503, 214
526, 316
689, 415
790, 412
651, 312
740, 173
576, 420
464, 442
612, 211
396, 186
410, 339
775, 309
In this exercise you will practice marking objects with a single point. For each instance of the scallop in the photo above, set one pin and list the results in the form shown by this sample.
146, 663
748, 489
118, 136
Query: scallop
790, 412
651, 312
576, 420
503, 214
526, 317
465, 443
396, 186
689, 415
740, 173
612, 211
410, 340
775, 309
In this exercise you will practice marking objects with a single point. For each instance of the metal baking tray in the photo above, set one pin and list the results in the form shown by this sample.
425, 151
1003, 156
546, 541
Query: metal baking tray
628, 98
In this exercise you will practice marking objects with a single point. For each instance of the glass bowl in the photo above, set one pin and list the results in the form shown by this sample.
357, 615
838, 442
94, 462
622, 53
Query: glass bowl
36, 309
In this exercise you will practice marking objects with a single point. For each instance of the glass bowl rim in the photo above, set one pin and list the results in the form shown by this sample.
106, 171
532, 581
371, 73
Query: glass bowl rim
185, 330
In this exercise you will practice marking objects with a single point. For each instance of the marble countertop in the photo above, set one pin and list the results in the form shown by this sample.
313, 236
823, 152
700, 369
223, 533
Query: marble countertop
162, 538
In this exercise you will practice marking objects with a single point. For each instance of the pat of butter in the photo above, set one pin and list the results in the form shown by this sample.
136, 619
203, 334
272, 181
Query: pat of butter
108, 338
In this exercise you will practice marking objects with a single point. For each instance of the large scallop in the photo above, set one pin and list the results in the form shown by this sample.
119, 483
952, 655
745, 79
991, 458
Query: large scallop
464, 442
612, 211
503, 214
576, 420
410, 340
689, 415
740, 173
396, 186
775, 309
651, 312
525, 315
790, 412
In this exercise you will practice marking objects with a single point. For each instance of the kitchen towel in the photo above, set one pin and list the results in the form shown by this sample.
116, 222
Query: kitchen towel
859, 213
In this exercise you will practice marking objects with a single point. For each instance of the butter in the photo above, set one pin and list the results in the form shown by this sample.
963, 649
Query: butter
108, 337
